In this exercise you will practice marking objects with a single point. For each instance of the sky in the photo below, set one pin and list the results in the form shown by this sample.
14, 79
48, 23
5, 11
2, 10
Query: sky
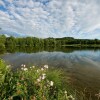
50, 18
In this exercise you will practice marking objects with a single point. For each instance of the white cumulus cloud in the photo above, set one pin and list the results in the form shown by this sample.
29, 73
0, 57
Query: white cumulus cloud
51, 18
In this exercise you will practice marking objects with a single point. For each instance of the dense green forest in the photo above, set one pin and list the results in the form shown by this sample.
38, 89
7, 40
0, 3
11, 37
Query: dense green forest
11, 43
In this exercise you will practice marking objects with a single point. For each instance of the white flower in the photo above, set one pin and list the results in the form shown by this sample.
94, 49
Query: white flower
30, 67
42, 69
51, 83
8, 66
25, 69
22, 68
33, 66
37, 71
65, 92
24, 65
71, 97
43, 76
46, 66
38, 79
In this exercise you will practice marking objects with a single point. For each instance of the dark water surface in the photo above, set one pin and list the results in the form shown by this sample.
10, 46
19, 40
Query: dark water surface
82, 66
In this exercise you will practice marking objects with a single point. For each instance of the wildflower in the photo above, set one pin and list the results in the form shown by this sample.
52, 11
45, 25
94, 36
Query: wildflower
24, 65
37, 71
43, 76
33, 66
39, 79
8, 66
51, 83
98, 95
65, 92
42, 69
22, 68
25, 69
46, 66
10, 98
71, 97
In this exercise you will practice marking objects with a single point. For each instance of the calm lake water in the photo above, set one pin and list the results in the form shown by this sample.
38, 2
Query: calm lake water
82, 66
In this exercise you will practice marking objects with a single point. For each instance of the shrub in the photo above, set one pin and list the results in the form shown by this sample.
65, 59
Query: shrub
2, 48
31, 84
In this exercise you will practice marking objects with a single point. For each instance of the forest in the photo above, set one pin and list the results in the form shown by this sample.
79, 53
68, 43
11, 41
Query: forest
10, 43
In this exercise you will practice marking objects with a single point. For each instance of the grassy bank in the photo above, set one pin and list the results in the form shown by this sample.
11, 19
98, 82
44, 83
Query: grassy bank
31, 84
34, 83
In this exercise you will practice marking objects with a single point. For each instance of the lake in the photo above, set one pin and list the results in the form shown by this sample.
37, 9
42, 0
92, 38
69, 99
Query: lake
82, 66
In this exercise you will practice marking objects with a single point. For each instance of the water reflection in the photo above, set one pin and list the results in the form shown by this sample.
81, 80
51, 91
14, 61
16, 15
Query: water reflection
82, 66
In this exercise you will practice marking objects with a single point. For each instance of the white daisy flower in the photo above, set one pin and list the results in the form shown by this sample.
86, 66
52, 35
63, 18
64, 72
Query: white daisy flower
51, 83
46, 66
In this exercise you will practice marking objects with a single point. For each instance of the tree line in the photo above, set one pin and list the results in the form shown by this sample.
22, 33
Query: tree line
33, 42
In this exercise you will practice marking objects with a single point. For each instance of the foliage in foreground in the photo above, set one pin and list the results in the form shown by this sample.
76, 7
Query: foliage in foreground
31, 84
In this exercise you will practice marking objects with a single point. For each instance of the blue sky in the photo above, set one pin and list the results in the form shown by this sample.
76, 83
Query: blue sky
50, 18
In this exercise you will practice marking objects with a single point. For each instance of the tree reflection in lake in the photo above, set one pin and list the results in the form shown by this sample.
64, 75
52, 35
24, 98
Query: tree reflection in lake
82, 66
